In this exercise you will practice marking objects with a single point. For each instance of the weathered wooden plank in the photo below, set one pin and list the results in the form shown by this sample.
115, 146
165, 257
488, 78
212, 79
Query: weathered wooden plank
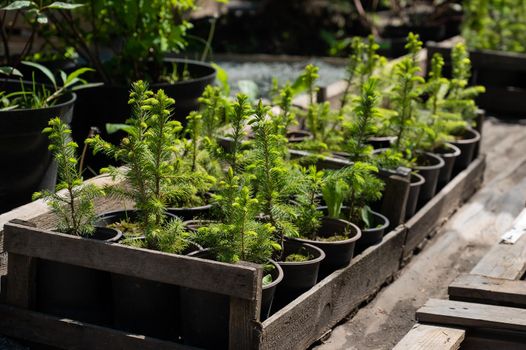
442, 206
483, 289
424, 337
22, 272
307, 318
472, 315
244, 317
233, 280
506, 261
72, 335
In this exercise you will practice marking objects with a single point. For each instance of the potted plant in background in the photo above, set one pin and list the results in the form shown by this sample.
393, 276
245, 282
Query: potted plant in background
66, 290
148, 152
25, 109
126, 42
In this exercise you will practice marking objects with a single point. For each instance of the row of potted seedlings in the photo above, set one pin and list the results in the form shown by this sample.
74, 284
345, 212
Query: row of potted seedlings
246, 198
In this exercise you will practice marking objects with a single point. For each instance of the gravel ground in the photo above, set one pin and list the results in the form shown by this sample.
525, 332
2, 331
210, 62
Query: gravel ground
262, 73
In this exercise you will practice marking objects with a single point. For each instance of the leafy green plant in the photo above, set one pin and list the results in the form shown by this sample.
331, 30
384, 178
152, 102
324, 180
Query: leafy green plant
354, 186
405, 96
214, 109
308, 201
495, 25
73, 205
363, 125
239, 236
41, 96
148, 152
272, 183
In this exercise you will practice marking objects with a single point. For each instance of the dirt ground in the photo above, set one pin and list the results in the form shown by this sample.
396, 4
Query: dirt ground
456, 249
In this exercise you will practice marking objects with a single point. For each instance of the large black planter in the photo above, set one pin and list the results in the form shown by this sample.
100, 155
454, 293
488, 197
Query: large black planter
298, 277
205, 315
373, 235
109, 104
466, 142
76, 292
417, 181
430, 167
381, 141
338, 254
27, 164
449, 153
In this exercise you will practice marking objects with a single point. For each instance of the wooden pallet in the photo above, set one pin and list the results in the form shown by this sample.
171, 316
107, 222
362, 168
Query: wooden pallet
296, 326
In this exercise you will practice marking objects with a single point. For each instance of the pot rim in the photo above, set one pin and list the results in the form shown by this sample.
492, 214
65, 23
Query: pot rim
308, 262
383, 227
382, 138
277, 280
440, 164
420, 182
201, 207
69, 101
354, 238
455, 151
191, 80
475, 137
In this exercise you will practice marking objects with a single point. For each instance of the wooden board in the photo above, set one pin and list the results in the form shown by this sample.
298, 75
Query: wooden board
233, 280
472, 315
307, 318
490, 290
424, 337
72, 335
506, 261
443, 205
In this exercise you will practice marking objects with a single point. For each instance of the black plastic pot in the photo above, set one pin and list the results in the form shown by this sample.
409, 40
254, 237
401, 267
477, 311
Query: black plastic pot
417, 181
298, 277
338, 254
479, 122
109, 104
296, 136
430, 167
466, 142
192, 212
449, 154
373, 235
205, 315
381, 141
27, 164
76, 292
111, 217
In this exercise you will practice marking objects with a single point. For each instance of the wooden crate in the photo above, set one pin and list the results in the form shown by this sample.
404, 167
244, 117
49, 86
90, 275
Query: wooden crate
296, 326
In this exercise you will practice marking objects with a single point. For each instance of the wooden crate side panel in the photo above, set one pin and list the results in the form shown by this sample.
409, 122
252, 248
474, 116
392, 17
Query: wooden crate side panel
66, 334
424, 337
472, 315
488, 290
307, 318
444, 204
233, 280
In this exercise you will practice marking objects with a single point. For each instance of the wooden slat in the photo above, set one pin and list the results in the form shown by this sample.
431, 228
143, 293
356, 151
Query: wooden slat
308, 317
72, 335
233, 280
244, 317
21, 272
483, 289
424, 337
472, 315
506, 261
440, 207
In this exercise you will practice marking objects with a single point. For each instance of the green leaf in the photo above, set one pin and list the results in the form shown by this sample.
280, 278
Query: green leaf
44, 70
367, 216
42, 18
19, 5
77, 73
249, 88
222, 77
10, 71
112, 128
267, 279
60, 5
86, 86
